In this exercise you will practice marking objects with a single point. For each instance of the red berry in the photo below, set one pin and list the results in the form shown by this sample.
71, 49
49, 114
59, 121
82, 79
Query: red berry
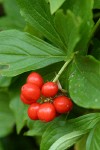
63, 104
32, 111
31, 92
24, 100
46, 112
49, 89
35, 78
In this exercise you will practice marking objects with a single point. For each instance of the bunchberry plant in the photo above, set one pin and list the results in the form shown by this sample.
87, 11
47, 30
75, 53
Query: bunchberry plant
50, 72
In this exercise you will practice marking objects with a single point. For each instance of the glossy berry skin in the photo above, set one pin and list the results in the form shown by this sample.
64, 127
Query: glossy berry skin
46, 112
49, 89
63, 104
31, 92
32, 111
25, 101
35, 78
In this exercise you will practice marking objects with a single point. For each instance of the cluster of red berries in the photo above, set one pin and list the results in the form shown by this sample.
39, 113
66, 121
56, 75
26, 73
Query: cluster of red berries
44, 99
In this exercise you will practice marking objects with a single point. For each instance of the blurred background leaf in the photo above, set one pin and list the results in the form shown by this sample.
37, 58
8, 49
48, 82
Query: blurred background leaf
7, 119
11, 18
97, 4
20, 111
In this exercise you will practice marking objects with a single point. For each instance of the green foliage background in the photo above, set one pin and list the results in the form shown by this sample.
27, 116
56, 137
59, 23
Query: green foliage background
41, 36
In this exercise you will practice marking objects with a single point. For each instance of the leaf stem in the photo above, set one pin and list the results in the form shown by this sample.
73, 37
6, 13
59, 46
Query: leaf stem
63, 68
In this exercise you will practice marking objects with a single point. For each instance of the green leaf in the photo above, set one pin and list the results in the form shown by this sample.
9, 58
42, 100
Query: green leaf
93, 141
28, 28
67, 132
68, 27
84, 82
96, 4
6, 117
36, 128
54, 5
12, 18
5, 81
22, 52
67, 140
82, 10
37, 14
81, 144
20, 111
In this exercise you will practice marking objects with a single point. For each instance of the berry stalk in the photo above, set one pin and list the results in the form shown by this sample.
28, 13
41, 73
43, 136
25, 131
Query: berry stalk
63, 68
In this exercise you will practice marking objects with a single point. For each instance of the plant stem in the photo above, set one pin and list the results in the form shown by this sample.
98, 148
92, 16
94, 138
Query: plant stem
62, 69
